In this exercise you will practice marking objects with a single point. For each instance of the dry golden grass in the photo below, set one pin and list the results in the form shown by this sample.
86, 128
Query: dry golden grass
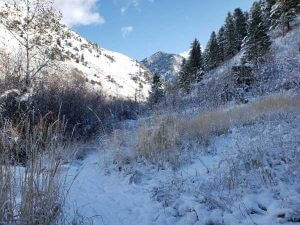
161, 137
30, 185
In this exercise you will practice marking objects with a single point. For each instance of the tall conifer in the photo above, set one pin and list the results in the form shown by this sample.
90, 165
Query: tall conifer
257, 41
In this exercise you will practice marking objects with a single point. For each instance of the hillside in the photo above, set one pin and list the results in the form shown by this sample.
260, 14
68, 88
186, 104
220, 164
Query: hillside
113, 73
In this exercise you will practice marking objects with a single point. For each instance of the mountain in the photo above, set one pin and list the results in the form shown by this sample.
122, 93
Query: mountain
111, 72
165, 64
186, 53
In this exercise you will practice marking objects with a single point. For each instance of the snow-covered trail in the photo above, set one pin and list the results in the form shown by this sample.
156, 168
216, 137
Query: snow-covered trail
108, 198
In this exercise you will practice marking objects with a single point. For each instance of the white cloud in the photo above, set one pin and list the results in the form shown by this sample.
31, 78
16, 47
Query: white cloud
79, 12
132, 3
126, 31
123, 10
76, 12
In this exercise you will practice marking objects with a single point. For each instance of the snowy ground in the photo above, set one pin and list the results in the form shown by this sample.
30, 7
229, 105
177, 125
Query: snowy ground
109, 198
249, 175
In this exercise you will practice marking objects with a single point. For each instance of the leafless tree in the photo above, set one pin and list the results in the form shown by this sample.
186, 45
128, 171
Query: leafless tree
32, 23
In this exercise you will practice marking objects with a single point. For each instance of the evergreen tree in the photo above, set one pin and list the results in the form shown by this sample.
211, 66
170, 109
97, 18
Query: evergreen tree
246, 15
230, 39
240, 27
257, 41
58, 42
284, 12
212, 58
206, 58
195, 61
157, 92
221, 43
184, 76
266, 8
270, 3
190, 70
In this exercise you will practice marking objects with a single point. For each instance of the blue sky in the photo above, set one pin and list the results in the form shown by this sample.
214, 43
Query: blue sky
139, 28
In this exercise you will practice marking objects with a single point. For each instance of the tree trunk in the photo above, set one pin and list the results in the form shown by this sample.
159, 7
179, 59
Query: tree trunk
27, 75
288, 25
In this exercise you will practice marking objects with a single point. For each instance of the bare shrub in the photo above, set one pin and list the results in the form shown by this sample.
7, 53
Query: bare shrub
85, 111
11, 71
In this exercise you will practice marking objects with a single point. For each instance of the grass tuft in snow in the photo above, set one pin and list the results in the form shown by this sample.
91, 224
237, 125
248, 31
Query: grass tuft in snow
160, 139
31, 188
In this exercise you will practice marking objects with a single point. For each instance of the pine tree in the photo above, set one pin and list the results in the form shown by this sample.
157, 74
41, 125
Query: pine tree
246, 15
257, 41
283, 13
212, 58
195, 61
206, 58
157, 92
240, 27
266, 8
230, 39
58, 42
190, 70
185, 79
221, 43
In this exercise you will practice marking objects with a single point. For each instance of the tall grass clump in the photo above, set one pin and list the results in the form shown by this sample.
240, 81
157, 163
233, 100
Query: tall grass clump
30, 165
162, 136
159, 139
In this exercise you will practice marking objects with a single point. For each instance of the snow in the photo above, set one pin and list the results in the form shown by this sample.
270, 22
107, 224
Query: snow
109, 198
186, 53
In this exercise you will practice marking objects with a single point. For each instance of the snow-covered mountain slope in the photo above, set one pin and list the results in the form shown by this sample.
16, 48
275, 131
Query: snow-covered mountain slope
165, 64
186, 53
113, 73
